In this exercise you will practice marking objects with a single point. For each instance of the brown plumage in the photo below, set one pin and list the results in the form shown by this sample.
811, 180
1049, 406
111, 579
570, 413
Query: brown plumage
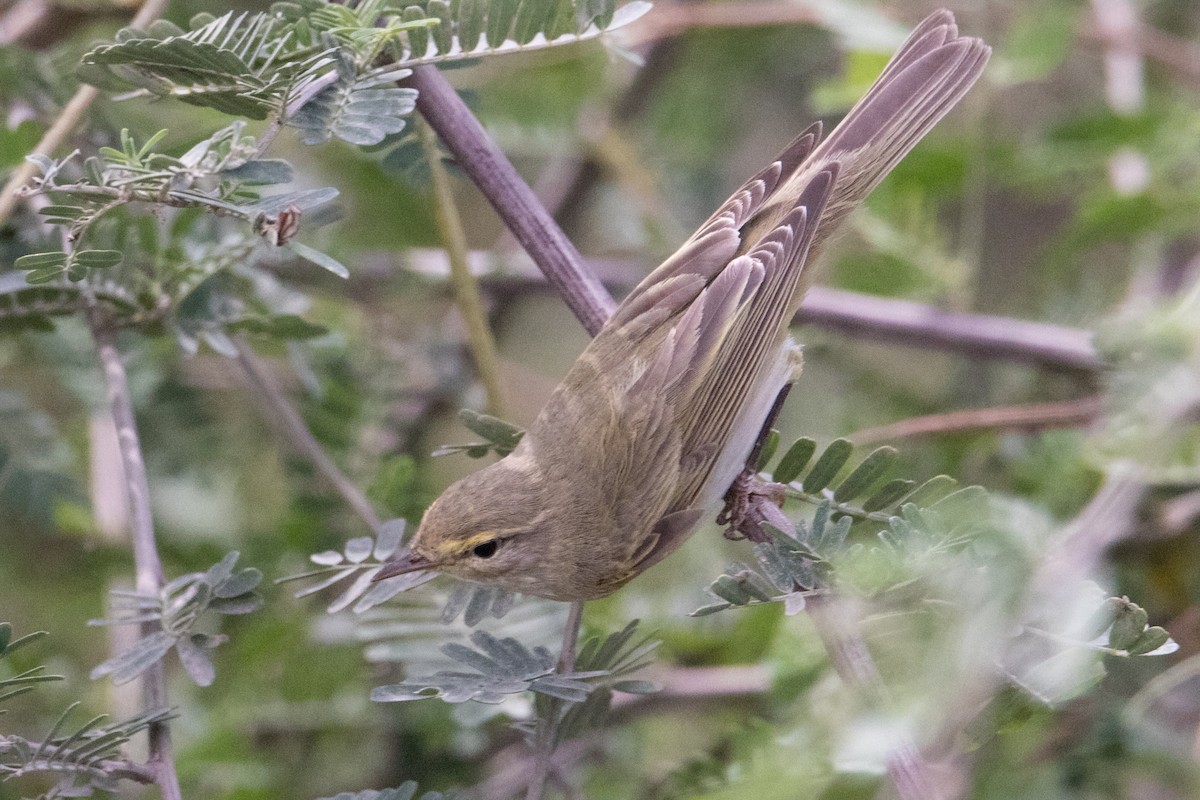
656, 418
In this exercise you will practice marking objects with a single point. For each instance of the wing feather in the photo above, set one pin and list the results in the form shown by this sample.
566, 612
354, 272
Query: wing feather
675, 374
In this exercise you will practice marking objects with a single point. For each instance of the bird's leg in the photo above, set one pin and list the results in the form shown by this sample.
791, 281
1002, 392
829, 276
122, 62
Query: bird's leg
752, 501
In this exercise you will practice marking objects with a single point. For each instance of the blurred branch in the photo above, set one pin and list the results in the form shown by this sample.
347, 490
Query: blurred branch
1117, 24
571, 187
517, 770
138, 773
869, 316
283, 415
1109, 517
67, 121
1176, 514
466, 288
836, 622
1124, 87
922, 325
671, 19
39, 24
1070, 413
147, 563
1179, 55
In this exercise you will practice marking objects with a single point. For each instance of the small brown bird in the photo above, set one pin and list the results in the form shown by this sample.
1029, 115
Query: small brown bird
657, 417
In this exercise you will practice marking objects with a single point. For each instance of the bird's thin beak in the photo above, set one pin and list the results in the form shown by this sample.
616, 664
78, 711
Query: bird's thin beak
403, 564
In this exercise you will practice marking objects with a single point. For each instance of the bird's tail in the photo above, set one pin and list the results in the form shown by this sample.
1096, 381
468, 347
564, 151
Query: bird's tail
926, 77
930, 72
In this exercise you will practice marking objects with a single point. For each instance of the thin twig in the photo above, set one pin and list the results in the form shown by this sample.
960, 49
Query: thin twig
566, 659
67, 120
70, 116
671, 19
466, 288
491, 171
124, 768
284, 416
906, 322
147, 564
1035, 416
547, 725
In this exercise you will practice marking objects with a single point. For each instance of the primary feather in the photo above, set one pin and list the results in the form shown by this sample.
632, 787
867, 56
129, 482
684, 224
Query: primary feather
658, 415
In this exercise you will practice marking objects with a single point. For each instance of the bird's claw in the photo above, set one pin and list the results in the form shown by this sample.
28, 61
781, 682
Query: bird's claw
751, 502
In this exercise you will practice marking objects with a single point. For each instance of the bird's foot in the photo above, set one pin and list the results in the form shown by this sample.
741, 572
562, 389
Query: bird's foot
751, 502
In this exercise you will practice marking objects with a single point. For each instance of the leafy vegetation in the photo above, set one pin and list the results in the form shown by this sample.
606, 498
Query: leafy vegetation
1018, 602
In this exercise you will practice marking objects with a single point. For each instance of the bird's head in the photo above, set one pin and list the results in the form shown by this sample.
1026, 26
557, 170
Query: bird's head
485, 528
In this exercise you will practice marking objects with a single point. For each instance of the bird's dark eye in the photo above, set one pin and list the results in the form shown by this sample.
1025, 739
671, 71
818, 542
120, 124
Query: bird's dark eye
486, 549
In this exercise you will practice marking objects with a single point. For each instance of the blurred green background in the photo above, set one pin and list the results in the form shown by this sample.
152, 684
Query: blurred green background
1058, 191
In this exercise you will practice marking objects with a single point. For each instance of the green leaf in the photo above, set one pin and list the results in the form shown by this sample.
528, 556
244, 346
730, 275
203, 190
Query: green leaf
504, 435
228, 64
98, 259
388, 538
470, 23
866, 474
501, 14
932, 490
829, 535
238, 584
418, 37
475, 602
322, 260
1128, 626
39, 276
127, 665
443, 32
356, 110
891, 493
711, 608
1150, 640
769, 446
241, 604
794, 460
221, 571
8, 644
828, 465
282, 326
196, 659
730, 589
41, 261
530, 19
261, 171
62, 213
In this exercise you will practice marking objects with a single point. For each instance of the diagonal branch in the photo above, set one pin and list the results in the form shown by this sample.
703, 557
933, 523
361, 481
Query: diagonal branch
287, 420
512, 198
1035, 416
